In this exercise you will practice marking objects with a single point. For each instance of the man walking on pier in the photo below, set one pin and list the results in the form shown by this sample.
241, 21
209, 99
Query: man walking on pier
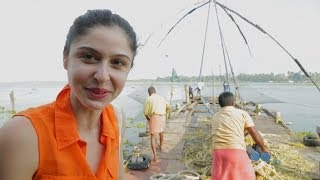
156, 109
229, 157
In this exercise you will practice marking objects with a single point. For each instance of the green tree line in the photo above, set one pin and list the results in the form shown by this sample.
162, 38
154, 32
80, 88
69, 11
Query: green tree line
281, 78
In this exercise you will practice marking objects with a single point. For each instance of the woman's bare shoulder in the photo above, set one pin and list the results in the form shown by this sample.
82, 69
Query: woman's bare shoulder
16, 129
19, 149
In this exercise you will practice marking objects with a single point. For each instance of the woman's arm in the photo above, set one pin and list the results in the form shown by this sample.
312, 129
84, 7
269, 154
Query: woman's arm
19, 154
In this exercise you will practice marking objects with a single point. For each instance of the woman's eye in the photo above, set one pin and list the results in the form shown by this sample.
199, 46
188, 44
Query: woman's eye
118, 62
89, 58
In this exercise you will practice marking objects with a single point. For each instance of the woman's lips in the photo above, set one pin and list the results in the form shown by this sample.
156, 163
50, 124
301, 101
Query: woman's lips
98, 93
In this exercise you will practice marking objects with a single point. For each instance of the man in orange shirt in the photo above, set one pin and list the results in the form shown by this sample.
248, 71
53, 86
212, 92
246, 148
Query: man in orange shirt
77, 136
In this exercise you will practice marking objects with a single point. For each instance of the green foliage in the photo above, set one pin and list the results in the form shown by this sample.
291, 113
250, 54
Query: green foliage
6, 111
126, 145
12, 112
174, 76
141, 125
284, 77
300, 135
130, 122
128, 126
126, 142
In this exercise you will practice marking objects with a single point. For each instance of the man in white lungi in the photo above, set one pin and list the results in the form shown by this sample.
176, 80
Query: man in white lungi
156, 109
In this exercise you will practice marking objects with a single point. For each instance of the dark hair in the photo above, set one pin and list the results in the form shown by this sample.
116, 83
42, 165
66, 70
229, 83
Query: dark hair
151, 90
93, 18
226, 99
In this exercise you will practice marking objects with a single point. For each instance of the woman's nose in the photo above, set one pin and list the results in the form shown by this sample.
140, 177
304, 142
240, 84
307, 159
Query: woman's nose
102, 73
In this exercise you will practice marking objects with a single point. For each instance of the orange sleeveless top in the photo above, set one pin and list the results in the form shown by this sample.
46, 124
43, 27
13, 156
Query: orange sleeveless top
62, 154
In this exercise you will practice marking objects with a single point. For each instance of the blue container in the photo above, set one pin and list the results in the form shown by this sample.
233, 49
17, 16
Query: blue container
253, 154
264, 156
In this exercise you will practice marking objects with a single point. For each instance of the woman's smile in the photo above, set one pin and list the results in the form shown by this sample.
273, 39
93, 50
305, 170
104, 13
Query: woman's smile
98, 93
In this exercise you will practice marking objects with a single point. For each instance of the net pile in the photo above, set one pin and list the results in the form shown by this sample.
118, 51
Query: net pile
197, 149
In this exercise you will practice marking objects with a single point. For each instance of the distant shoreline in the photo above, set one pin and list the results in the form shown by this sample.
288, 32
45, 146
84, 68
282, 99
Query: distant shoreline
146, 81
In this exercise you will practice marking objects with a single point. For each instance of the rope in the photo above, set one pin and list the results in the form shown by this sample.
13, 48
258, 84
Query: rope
239, 29
232, 72
204, 42
222, 44
264, 32
191, 11
254, 25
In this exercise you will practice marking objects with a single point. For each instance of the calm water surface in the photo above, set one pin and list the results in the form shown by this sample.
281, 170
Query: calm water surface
299, 104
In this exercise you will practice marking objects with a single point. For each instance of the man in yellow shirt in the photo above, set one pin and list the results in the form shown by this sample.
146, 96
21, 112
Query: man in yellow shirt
229, 157
156, 109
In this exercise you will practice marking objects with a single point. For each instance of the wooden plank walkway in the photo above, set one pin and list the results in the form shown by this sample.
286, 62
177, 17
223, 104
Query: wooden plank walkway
175, 130
184, 123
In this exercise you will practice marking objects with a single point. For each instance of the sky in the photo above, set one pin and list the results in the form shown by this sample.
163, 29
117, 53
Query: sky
33, 33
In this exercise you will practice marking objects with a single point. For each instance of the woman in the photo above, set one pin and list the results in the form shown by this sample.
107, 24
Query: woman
77, 136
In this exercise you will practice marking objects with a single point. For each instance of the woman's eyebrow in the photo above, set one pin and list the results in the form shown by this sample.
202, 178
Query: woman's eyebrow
122, 56
95, 51
88, 48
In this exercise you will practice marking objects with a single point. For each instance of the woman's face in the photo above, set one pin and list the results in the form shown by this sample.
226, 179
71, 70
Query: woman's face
98, 64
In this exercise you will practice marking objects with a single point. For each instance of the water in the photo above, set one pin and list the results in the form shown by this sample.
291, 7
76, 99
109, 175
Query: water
131, 100
299, 104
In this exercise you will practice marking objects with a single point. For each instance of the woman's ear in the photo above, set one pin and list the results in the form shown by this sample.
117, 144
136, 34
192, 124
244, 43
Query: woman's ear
65, 62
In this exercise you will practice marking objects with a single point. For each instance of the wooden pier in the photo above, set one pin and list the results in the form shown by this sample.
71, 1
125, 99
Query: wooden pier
175, 130
185, 121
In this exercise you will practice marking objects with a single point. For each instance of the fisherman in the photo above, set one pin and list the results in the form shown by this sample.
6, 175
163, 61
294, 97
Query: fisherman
190, 92
199, 87
156, 110
229, 157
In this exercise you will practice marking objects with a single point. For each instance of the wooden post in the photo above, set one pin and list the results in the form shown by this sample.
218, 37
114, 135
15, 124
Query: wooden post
278, 117
171, 92
186, 89
258, 109
213, 97
12, 101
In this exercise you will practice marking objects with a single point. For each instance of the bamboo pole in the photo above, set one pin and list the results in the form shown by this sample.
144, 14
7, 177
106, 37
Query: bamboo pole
13, 106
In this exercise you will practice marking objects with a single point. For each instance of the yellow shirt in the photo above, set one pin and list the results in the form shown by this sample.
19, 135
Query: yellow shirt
228, 128
156, 104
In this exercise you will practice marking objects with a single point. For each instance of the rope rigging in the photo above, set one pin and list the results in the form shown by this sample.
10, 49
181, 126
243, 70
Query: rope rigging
204, 42
191, 11
231, 68
277, 42
222, 44
225, 51
239, 29
226, 9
